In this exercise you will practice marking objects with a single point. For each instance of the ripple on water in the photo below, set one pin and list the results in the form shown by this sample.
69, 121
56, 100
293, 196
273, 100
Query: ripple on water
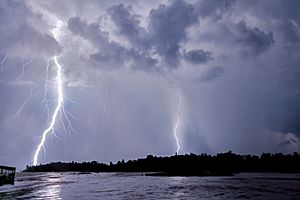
135, 186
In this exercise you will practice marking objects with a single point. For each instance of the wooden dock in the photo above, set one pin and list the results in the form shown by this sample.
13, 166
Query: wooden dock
7, 175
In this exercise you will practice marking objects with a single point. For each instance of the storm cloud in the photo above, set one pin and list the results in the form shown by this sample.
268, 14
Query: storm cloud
22, 32
235, 63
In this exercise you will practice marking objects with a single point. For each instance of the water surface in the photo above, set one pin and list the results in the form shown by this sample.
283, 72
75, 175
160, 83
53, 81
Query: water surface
135, 186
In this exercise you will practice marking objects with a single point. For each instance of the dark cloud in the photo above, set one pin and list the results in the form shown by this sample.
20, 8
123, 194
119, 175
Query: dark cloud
210, 74
91, 32
213, 8
128, 25
166, 31
167, 28
109, 52
198, 56
254, 39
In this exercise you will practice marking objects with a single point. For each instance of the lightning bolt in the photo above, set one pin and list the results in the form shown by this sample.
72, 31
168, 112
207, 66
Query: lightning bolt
60, 113
17, 116
60, 99
177, 124
45, 101
2, 63
23, 68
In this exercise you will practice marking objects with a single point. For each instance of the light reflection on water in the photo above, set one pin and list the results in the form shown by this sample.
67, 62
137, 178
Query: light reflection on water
134, 186
51, 189
177, 185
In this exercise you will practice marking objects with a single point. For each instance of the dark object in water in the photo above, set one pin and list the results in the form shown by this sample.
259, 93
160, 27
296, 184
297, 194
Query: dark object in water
189, 173
84, 173
7, 175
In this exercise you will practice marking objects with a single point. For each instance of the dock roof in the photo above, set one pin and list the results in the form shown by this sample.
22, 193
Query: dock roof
7, 168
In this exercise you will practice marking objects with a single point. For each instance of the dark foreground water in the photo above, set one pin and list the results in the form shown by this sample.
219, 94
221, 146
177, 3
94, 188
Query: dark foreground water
134, 186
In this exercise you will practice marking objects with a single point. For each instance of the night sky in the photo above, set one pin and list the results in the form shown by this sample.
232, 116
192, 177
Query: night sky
235, 65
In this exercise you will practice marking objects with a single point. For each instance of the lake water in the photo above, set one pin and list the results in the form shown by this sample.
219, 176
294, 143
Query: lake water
135, 186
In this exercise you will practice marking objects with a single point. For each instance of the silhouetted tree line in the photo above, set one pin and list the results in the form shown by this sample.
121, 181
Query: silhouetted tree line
187, 165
